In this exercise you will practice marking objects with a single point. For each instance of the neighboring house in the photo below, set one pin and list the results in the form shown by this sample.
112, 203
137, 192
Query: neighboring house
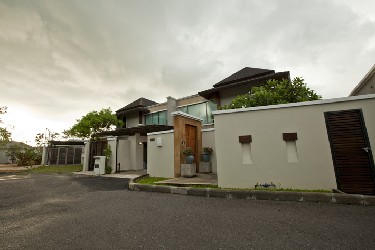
133, 114
240, 83
4, 159
366, 85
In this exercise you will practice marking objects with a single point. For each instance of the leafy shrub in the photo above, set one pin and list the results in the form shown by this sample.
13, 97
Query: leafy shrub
24, 155
108, 169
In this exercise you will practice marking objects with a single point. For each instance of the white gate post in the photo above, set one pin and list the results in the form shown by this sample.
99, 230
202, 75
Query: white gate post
86, 156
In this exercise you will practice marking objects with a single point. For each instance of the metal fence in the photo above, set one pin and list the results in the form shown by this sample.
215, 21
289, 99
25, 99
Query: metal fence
64, 156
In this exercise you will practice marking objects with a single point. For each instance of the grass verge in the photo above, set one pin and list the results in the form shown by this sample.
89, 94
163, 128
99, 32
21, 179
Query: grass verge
151, 180
56, 169
154, 180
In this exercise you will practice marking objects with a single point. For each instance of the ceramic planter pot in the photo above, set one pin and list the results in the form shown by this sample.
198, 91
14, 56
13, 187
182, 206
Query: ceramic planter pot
206, 157
189, 159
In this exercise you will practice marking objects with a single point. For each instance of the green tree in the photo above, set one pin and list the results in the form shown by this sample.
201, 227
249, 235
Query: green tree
5, 135
275, 92
92, 123
44, 139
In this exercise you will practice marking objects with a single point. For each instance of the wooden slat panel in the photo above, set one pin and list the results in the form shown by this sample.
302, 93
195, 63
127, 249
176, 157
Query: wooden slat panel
352, 164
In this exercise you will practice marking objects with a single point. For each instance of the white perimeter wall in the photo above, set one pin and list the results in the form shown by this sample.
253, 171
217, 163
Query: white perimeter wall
160, 160
314, 169
123, 154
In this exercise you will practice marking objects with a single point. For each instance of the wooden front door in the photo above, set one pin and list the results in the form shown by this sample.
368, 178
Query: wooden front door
351, 152
191, 139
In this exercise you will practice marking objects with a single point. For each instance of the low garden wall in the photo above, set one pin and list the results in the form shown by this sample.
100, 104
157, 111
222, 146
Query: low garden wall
251, 146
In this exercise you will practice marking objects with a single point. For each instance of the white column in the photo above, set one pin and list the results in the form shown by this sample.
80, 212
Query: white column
86, 156
44, 156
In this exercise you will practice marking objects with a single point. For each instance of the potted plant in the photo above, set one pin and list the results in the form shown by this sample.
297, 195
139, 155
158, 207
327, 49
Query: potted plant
189, 157
207, 151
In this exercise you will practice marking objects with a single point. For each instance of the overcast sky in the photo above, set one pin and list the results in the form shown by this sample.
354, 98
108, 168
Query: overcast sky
62, 59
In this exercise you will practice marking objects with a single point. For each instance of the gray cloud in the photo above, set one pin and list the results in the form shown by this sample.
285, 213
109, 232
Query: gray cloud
61, 59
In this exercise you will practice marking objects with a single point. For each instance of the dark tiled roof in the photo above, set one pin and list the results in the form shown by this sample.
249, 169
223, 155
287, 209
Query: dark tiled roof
139, 103
143, 130
249, 82
67, 143
243, 74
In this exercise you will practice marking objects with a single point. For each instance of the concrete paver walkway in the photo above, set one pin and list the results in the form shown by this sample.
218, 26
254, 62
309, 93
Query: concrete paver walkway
131, 174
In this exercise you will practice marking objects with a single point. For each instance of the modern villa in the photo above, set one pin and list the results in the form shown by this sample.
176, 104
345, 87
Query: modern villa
323, 144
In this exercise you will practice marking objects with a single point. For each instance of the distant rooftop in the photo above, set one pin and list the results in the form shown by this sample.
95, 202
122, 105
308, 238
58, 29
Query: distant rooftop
244, 74
137, 104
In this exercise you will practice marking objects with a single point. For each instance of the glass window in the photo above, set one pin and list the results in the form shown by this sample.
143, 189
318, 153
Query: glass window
183, 109
162, 117
155, 119
149, 119
158, 118
198, 110
201, 110
210, 107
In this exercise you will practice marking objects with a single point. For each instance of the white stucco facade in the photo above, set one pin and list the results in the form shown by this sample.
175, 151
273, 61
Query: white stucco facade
268, 158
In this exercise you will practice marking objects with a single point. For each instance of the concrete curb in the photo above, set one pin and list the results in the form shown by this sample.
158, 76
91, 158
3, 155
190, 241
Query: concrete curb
334, 198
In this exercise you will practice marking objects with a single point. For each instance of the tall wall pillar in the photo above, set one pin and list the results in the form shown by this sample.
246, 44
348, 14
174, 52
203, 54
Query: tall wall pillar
171, 107
86, 156
44, 156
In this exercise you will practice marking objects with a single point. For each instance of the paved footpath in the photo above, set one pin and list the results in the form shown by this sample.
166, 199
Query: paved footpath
66, 211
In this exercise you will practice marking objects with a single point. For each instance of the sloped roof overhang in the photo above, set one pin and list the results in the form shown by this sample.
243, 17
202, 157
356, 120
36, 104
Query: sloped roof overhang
143, 130
134, 109
208, 94
67, 143
363, 81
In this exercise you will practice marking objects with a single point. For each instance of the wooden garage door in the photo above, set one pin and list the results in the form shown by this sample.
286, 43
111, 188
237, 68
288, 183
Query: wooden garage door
351, 152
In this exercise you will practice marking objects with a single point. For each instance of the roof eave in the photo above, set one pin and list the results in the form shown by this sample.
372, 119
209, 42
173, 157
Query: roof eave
363, 81
278, 75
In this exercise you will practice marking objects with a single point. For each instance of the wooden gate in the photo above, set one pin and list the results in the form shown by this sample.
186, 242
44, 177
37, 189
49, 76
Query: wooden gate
191, 139
351, 151
97, 148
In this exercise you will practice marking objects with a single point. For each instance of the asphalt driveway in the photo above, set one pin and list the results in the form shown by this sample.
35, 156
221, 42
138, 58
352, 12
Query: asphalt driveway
64, 211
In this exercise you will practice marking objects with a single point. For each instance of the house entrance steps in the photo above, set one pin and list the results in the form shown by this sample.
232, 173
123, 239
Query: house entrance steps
199, 179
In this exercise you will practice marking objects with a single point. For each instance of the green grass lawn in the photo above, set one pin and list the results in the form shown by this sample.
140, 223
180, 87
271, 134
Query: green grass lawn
151, 180
56, 169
